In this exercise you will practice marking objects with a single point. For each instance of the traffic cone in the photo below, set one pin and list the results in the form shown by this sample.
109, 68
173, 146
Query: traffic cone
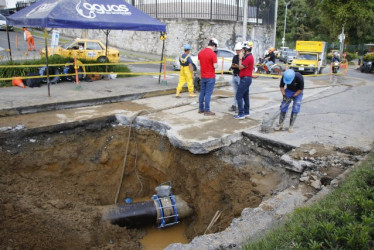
18, 82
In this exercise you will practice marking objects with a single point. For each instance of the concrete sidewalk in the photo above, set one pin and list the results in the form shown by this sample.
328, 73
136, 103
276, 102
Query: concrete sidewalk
339, 115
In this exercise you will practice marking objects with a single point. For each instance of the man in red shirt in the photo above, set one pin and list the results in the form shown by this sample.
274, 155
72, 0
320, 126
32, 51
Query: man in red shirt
246, 67
207, 59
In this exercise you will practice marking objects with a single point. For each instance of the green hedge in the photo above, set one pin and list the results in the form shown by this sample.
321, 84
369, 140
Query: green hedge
55, 59
369, 57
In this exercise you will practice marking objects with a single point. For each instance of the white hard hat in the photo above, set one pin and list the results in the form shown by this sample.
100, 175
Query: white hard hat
213, 41
247, 45
238, 46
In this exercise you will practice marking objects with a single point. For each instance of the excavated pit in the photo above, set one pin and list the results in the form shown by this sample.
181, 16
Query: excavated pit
55, 183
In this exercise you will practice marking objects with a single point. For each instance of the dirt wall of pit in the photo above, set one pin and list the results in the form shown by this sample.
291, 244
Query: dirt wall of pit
56, 182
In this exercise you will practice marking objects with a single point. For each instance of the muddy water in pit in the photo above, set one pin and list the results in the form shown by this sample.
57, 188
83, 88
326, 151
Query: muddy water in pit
55, 185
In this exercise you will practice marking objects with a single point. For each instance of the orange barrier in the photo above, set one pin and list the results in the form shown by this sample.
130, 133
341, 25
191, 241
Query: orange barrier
76, 67
331, 72
18, 82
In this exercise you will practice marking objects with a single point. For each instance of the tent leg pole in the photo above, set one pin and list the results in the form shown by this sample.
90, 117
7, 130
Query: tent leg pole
106, 51
162, 59
10, 50
46, 60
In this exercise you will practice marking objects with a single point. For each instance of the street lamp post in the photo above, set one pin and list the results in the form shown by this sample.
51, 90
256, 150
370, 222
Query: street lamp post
285, 22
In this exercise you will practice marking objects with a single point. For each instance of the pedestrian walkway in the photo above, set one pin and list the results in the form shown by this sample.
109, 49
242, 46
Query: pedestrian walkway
336, 115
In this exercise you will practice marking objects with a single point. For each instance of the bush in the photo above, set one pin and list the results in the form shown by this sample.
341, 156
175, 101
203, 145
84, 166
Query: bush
55, 59
369, 57
342, 220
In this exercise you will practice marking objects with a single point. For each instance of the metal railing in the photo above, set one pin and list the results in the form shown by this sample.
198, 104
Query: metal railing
227, 10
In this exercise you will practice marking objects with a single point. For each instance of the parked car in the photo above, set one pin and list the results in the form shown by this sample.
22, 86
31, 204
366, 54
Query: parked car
225, 53
282, 53
84, 49
290, 56
3, 23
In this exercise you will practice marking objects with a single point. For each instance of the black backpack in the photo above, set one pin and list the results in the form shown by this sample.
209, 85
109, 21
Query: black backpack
33, 82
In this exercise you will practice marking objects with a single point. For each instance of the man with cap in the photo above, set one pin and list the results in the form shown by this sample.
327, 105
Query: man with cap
186, 72
246, 63
207, 60
293, 92
235, 74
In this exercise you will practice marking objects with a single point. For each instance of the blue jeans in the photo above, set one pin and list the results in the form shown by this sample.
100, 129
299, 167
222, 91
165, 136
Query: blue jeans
243, 95
235, 84
268, 64
206, 91
296, 102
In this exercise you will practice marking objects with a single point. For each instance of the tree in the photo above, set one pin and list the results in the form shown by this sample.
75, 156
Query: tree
323, 20
357, 17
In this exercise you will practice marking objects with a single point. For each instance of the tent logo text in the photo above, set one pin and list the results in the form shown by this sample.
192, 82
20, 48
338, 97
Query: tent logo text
42, 8
88, 10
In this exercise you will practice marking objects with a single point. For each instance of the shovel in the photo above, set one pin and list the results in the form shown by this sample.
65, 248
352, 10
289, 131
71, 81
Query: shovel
268, 121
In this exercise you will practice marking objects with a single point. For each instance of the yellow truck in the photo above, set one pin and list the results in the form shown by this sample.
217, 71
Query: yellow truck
311, 57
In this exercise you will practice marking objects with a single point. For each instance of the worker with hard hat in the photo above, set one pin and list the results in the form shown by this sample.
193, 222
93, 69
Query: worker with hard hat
29, 38
186, 72
246, 63
294, 92
270, 58
235, 74
207, 60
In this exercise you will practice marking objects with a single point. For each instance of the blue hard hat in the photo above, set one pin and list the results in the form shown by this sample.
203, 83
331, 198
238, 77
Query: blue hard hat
187, 47
288, 76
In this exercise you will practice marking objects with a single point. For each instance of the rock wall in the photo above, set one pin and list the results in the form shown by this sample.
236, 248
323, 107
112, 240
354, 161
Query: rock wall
182, 31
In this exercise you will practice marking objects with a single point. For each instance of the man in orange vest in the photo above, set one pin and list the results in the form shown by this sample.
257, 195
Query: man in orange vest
29, 38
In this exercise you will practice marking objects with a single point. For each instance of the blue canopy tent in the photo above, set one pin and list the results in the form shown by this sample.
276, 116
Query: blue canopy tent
84, 14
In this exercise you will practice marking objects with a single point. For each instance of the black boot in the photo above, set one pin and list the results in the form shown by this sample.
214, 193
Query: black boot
292, 121
282, 116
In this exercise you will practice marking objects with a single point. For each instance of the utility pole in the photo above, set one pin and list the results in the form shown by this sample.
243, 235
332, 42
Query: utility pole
275, 23
341, 38
245, 19
285, 23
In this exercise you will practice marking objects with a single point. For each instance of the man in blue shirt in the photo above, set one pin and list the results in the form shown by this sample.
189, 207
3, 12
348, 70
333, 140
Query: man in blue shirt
293, 92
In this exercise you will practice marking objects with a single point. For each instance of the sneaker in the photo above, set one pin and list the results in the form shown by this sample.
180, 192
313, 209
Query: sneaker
233, 108
192, 95
290, 129
177, 96
209, 113
201, 111
247, 115
239, 117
